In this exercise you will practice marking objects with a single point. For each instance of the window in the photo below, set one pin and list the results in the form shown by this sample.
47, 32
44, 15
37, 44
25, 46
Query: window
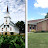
10, 29
33, 27
4, 26
30, 27
6, 20
7, 25
6, 29
2, 29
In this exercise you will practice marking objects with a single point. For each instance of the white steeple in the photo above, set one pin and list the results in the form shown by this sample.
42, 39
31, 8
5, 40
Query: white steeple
7, 18
7, 13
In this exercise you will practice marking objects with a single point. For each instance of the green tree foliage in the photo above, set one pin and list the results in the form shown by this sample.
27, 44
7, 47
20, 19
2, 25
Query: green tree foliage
12, 41
21, 26
46, 16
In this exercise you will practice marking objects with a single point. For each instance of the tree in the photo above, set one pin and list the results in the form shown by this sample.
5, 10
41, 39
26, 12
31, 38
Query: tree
21, 26
46, 16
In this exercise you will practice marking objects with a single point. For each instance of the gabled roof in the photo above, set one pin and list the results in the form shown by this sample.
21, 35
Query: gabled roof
36, 21
2, 24
11, 23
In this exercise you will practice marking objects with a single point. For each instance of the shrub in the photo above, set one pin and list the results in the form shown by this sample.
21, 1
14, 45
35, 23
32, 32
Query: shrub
42, 31
33, 30
12, 41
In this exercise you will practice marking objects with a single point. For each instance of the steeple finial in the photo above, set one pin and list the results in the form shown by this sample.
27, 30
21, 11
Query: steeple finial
7, 9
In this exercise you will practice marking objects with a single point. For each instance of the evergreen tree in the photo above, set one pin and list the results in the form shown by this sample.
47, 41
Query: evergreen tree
21, 26
46, 16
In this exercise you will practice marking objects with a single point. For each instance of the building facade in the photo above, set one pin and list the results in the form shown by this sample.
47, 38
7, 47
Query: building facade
8, 26
38, 25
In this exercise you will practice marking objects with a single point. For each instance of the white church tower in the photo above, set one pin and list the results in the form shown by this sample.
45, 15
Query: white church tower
7, 20
8, 26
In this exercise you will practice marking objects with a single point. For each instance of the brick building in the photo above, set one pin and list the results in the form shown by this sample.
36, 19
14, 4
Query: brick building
38, 25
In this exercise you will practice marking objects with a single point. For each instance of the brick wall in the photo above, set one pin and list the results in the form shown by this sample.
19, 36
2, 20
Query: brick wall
46, 25
39, 26
42, 26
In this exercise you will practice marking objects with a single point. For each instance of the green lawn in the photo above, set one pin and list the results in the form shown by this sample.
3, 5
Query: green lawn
37, 40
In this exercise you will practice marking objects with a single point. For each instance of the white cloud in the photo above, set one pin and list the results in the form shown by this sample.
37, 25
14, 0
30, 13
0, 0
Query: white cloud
41, 3
16, 9
44, 14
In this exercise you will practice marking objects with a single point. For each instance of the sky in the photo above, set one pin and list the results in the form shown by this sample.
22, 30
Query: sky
37, 9
16, 10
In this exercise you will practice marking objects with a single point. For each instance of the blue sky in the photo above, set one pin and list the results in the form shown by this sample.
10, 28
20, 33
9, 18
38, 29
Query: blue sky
16, 10
37, 9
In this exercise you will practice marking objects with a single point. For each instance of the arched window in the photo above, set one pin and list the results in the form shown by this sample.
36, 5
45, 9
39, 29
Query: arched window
6, 29
6, 20
10, 29
2, 29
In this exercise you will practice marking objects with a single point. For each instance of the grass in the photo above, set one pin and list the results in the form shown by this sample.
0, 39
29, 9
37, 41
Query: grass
37, 40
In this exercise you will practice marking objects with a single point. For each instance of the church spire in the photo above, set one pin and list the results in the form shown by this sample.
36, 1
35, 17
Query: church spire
7, 13
7, 9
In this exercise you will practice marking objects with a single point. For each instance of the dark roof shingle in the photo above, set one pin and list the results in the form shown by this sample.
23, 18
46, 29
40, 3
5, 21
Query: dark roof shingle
34, 21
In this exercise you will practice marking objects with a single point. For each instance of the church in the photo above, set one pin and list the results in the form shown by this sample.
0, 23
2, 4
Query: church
8, 27
39, 25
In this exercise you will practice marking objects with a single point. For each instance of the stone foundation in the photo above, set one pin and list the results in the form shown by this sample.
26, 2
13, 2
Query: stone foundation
0, 33
3, 33
8, 33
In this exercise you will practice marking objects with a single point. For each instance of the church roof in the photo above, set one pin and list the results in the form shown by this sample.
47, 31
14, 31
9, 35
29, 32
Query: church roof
36, 21
11, 23
1, 24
